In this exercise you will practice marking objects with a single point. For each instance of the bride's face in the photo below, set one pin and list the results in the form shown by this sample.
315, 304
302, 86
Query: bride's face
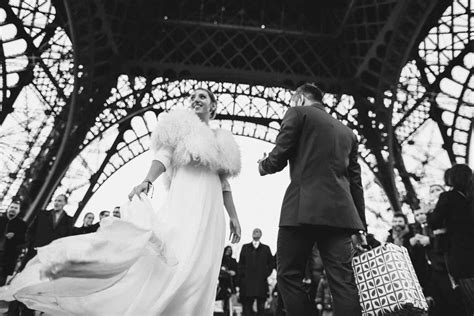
201, 102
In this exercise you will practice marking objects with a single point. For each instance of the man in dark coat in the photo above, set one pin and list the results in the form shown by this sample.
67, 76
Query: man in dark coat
324, 202
49, 225
12, 230
255, 265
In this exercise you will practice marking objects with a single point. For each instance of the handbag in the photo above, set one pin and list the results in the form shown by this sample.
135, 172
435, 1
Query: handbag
387, 282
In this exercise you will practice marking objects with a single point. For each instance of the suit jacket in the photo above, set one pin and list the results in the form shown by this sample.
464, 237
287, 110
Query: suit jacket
43, 230
12, 246
325, 187
255, 265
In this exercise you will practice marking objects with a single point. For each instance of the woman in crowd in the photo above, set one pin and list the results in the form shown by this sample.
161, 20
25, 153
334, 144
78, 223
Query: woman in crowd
87, 226
229, 268
227, 277
454, 211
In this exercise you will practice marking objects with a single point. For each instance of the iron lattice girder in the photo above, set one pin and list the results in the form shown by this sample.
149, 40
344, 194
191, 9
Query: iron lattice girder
180, 48
316, 17
382, 70
214, 53
420, 112
94, 83
33, 53
99, 45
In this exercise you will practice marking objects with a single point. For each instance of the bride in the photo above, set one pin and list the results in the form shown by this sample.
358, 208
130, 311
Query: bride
164, 263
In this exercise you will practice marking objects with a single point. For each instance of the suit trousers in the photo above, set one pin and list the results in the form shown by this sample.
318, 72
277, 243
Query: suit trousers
335, 246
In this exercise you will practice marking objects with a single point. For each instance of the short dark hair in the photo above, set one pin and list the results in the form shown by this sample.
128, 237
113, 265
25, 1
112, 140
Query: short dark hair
228, 247
447, 177
103, 212
311, 91
16, 201
461, 177
63, 195
401, 215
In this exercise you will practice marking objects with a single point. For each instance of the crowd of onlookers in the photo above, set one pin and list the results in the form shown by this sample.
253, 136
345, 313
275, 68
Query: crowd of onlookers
18, 242
440, 243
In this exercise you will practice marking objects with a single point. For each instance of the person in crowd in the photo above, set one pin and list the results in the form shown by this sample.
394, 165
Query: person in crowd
455, 212
430, 267
230, 266
103, 214
227, 277
49, 225
323, 298
87, 226
277, 307
314, 271
324, 202
420, 246
116, 212
400, 233
12, 237
255, 266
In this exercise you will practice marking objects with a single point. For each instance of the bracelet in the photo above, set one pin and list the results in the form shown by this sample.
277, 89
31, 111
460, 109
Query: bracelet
149, 183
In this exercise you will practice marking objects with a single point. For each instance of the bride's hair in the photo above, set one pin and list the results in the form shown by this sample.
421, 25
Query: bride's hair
213, 98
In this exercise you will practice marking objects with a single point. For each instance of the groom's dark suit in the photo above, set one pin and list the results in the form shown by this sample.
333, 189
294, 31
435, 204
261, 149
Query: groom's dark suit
324, 203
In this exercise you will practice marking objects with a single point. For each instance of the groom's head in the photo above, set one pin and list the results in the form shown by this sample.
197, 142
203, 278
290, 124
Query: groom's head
256, 234
307, 94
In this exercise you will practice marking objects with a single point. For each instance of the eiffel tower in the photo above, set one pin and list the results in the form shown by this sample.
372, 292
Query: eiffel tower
92, 75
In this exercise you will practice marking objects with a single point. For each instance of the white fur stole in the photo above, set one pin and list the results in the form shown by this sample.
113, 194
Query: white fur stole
194, 142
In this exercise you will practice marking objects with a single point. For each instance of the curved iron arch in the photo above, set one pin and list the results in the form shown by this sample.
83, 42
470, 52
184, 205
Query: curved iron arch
118, 110
240, 119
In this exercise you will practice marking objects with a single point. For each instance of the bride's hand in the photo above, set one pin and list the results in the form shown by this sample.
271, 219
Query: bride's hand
234, 230
141, 188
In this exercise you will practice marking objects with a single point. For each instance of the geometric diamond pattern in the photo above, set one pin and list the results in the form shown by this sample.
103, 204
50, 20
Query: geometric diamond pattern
387, 282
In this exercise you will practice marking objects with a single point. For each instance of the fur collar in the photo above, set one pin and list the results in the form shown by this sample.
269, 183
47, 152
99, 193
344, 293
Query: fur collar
194, 142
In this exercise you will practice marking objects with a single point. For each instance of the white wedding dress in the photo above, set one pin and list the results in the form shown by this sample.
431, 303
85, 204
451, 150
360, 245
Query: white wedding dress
163, 263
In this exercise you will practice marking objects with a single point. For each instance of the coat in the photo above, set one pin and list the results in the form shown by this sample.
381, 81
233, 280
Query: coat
255, 266
12, 246
43, 230
455, 212
325, 187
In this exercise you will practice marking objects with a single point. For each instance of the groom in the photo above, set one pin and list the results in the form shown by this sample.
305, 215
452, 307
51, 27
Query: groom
324, 202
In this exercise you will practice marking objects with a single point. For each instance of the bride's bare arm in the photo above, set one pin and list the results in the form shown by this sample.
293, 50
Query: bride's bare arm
235, 232
156, 169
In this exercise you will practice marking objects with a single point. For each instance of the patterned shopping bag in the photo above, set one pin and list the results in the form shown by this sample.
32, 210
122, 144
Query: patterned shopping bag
387, 282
